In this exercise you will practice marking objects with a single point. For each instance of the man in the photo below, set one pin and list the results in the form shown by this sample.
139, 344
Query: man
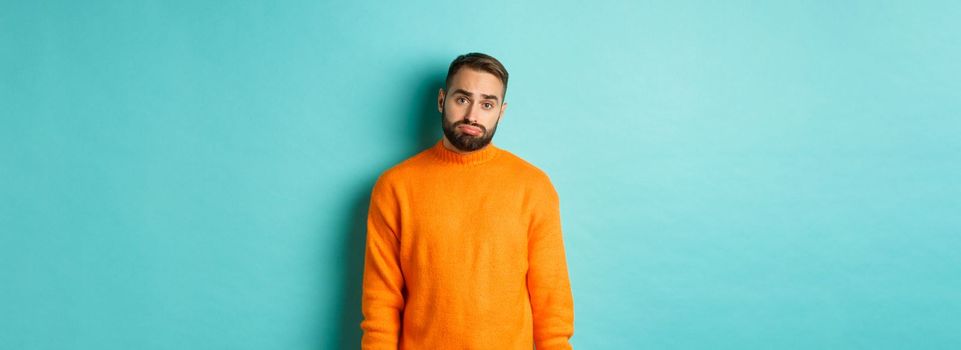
464, 247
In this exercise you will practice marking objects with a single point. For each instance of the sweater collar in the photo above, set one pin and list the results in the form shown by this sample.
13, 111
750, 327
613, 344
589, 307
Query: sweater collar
473, 158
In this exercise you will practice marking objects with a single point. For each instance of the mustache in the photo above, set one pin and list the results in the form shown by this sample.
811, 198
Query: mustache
462, 122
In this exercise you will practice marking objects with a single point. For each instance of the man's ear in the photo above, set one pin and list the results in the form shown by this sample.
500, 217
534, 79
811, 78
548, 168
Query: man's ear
503, 107
440, 100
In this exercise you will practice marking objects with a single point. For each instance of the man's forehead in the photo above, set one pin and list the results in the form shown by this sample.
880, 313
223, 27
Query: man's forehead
476, 82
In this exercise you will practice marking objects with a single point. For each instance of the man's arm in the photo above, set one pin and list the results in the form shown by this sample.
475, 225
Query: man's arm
383, 299
552, 303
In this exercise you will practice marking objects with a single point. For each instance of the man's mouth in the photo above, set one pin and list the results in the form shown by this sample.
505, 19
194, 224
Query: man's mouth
470, 130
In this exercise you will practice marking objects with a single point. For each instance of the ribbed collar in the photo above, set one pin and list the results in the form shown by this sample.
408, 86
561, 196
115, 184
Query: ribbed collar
473, 158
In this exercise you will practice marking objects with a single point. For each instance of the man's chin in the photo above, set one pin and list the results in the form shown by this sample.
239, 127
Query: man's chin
467, 140
473, 145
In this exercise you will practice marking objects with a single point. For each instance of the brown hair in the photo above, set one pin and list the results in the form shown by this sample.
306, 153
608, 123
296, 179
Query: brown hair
481, 62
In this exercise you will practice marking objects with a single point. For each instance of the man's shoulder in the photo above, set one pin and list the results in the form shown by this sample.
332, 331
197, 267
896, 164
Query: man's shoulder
402, 169
523, 168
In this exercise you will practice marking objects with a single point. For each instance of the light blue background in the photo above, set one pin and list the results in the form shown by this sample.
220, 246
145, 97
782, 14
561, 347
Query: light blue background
733, 175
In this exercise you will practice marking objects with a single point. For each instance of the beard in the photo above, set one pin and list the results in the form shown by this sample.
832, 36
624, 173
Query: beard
465, 142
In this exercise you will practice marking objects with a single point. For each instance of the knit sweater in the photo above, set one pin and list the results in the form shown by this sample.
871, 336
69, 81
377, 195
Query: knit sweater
464, 251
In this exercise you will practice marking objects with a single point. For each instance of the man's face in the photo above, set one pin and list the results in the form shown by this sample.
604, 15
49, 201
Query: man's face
471, 108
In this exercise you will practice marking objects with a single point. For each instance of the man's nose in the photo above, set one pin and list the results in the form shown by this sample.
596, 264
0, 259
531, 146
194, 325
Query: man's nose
471, 114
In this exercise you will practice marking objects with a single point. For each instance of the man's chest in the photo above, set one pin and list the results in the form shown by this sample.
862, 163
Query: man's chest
452, 220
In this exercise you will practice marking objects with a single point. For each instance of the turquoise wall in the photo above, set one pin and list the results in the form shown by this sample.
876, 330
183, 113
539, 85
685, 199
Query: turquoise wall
733, 175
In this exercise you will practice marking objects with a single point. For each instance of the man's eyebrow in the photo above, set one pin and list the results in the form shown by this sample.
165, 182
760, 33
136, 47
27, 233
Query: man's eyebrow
468, 93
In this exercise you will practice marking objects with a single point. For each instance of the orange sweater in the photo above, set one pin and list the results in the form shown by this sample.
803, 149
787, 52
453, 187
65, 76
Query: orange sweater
465, 252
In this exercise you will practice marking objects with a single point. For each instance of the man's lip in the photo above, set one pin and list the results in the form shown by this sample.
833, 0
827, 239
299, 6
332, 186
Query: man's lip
471, 129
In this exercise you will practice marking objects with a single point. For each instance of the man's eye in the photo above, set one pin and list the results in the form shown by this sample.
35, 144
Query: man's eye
461, 100
488, 105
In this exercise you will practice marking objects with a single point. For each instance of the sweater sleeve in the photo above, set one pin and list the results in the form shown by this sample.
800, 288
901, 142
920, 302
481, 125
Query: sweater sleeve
552, 302
383, 299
